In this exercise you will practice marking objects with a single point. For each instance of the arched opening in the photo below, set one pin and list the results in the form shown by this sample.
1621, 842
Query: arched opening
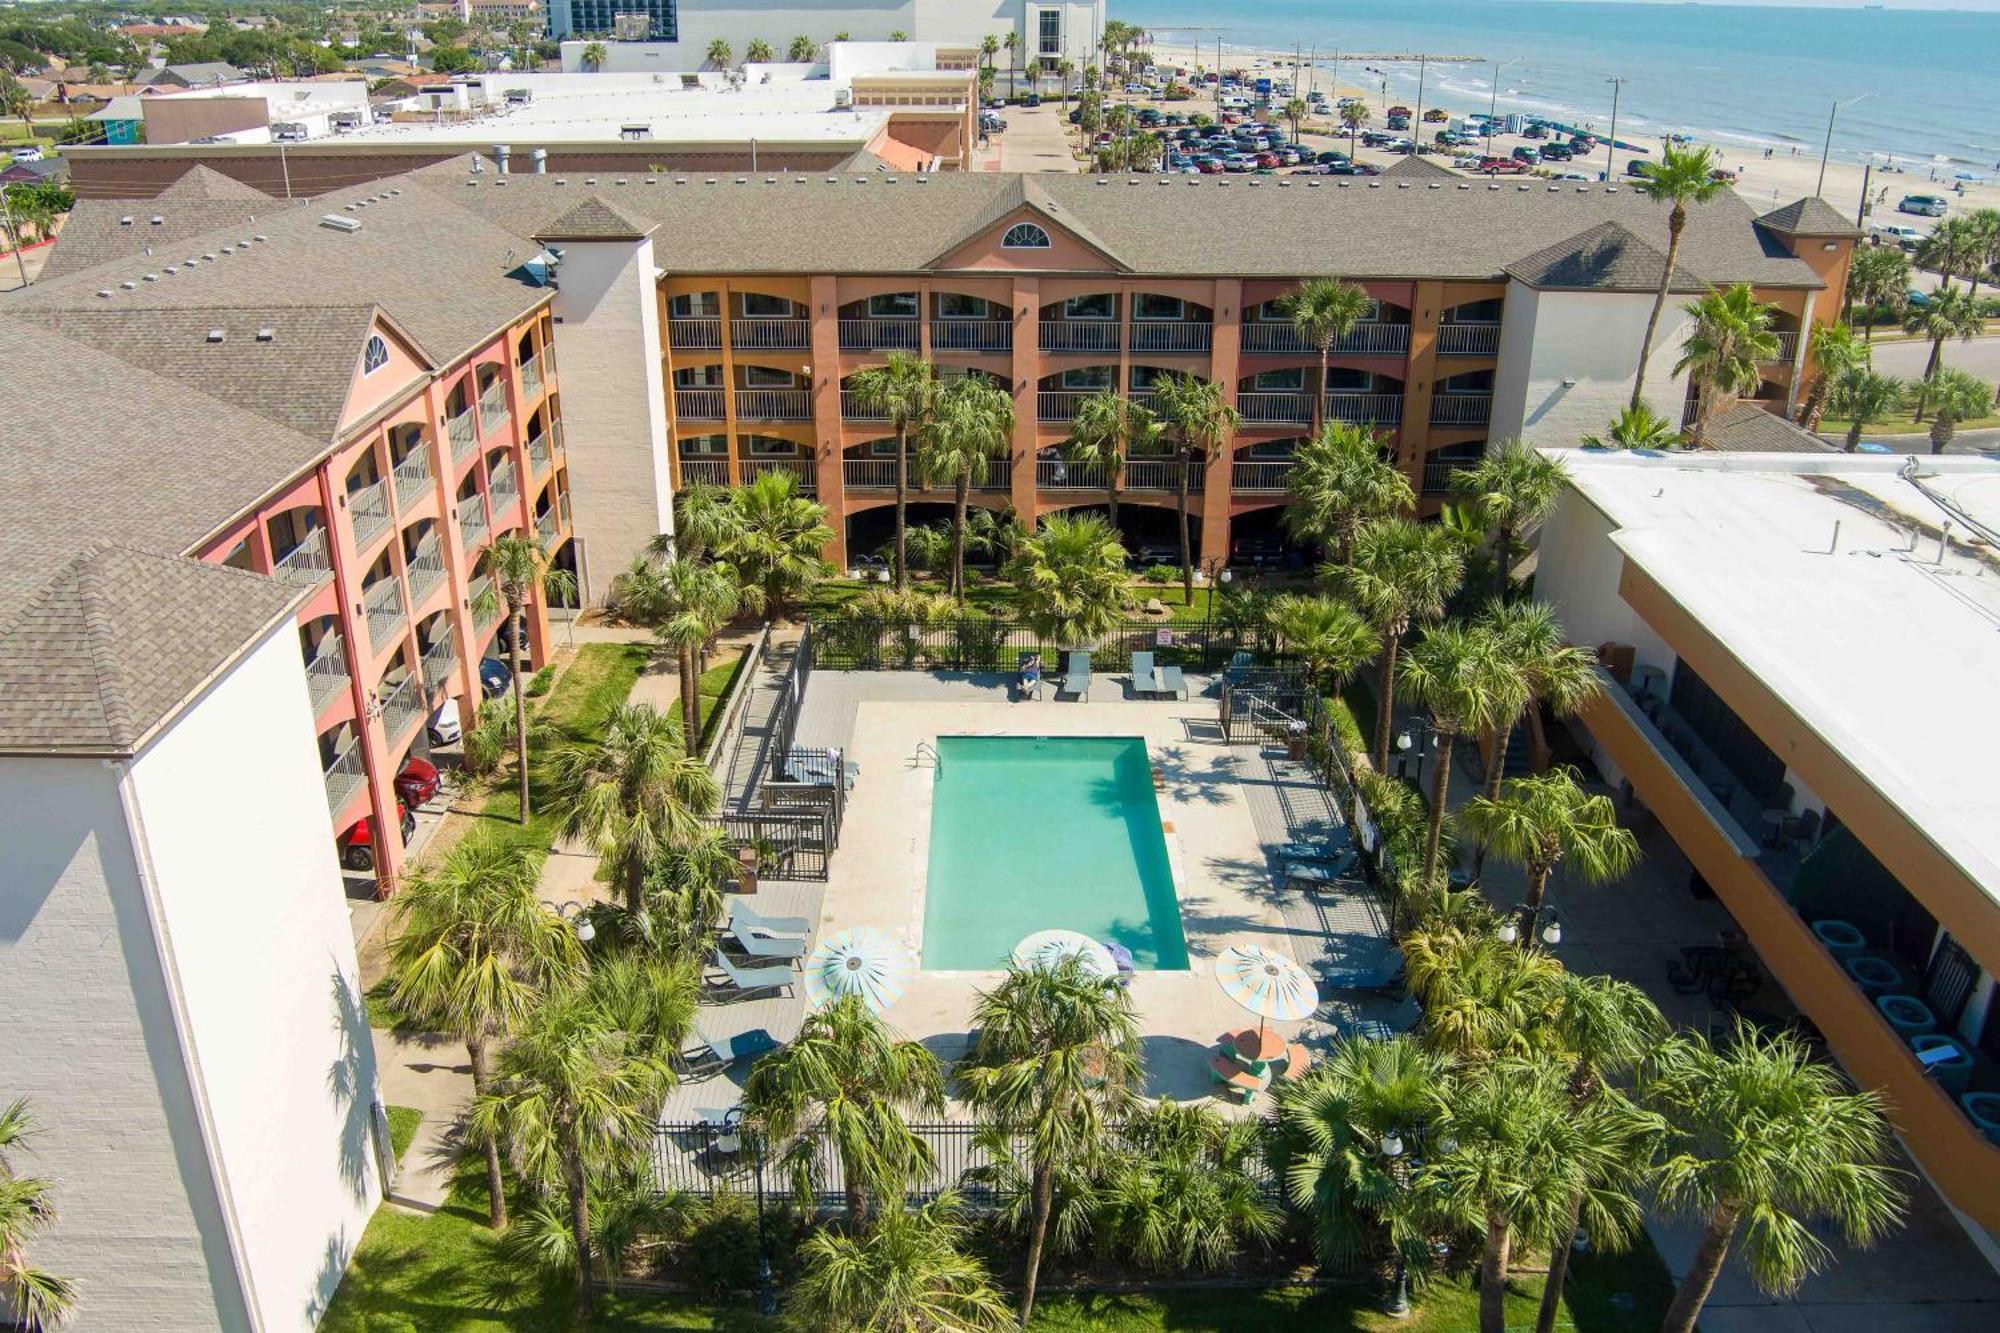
1470, 328
1057, 396
704, 458
367, 495
327, 670
503, 485
297, 540
493, 411
871, 537
1087, 323
884, 322
698, 393
1363, 397
772, 453
409, 464
1464, 400
768, 393
437, 647
694, 322
469, 511
1263, 468
1442, 465
965, 323
382, 604
423, 560
1258, 541
1162, 323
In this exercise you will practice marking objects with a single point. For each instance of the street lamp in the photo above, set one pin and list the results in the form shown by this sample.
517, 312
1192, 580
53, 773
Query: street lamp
1398, 1304
1827, 147
575, 914
1413, 744
1214, 570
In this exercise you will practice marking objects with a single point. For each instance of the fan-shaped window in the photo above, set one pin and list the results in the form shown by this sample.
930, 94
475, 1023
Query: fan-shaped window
374, 355
1025, 236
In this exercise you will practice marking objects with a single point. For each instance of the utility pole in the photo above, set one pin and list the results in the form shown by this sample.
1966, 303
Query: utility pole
1867, 176
1611, 140
1417, 120
1493, 107
1827, 149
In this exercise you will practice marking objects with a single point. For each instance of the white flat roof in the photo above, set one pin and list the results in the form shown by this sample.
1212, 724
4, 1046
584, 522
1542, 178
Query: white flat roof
1890, 656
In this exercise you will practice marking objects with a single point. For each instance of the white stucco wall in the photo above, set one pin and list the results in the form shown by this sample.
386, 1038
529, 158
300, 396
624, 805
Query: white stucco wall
614, 403
1591, 340
254, 908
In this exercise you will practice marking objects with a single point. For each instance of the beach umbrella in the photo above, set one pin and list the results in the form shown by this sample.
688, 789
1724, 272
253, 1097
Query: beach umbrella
1270, 985
860, 962
1048, 948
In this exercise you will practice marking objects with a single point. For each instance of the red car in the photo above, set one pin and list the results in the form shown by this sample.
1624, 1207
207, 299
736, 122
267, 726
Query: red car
1268, 160
418, 781
357, 845
1502, 166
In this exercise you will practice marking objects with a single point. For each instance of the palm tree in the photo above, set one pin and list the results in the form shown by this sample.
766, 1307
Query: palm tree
1109, 428
1681, 177
38, 1299
473, 952
1761, 1133
1877, 278
1513, 488
1338, 483
1182, 1197
1730, 338
1194, 412
1864, 397
1956, 395
1056, 1059
1323, 311
705, 520
989, 47
1545, 820
909, 1272
802, 50
593, 55
1834, 351
1353, 115
1950, 313
1013, 45
906, 390
1330, 637
1945, 250
635, 795
519, 566
719, 54
1065, 71
758, 52
684, 894
1456, 672
849, 1077
1636, 428
973, 423
1982, 236
777, 547
1550, 672
1295, 111
1401, 574
687, 602
580, 1084
1069, 579
1483, 998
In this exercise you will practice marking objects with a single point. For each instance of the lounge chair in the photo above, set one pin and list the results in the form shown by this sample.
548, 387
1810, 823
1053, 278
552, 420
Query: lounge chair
1144, 680
1239, 666
1333, 847
742, 916
1320, 875
1380, 975
1076, 680
767, 946
714, 1054
1028, 677
819, 766
1172, 683
750, 979
727, 1123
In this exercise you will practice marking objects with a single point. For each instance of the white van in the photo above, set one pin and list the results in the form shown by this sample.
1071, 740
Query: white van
1234, 102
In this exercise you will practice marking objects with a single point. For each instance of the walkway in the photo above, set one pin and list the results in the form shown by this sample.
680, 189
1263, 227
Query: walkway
751, 755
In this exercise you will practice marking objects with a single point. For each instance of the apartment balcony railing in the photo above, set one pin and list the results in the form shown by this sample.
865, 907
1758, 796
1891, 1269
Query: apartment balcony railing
404, 708
383, 601
493, 413
853, 409
1365, 409
695, 334
426, 570
305, 564
700, 404
440, 660
1057, 474
1788, 349
344, 777
1438, 476
801, 471
504, 486
1079, 335
1275, 409
1247, 477
1461, 409
869, 474
774, 405
463, 432
368, 511
999, 475
326, 674
472, 525
1059, 405
1184, 336
712, 471
539, 457
1468, 339
972, 335
774, 335
1274, 339
531, 378
487, 604
879, 335
412, 478
548, 525
1153, 474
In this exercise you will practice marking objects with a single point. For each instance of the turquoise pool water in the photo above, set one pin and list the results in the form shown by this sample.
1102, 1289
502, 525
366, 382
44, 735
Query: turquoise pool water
1036, 833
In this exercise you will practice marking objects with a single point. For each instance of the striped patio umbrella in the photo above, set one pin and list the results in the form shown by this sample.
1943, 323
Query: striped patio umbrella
1048, 948
860, 962
1270, 985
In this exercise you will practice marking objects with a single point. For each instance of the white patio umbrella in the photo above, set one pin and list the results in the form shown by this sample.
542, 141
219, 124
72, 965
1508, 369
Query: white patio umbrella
1270, 985
860, 962
1048, 948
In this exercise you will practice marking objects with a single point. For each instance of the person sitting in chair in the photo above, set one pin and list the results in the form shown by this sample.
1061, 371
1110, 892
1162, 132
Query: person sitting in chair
1029, 680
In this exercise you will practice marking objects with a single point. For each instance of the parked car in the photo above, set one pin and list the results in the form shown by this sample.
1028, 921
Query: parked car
1330, 157
31, 153
357, 845
1635, 166
1466, 161
1535, 131
1916, 298
1923, 205
1899, 234
1032, 99
1555, 152
1398, 123
494, 677
1268, 160
1574, 176
1502, 166
417, 782
443, 725
1436, 116
1525, 154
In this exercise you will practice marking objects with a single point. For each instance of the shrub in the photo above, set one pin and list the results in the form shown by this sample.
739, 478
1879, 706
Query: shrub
1161, 574
542, 682
720, 1254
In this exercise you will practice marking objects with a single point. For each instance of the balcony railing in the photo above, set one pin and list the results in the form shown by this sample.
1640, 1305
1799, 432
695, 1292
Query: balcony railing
538, 454
440, 660
1057, 474
344, 777
1461, 409
548, 526
1187, 336
487, 604
1365, 409
1788, 349
699, 404
774, 405
1276, 409
384, 603
1059, 405
853, 409
971, 335
426, 570
713, 471
1079, 335
493, 413
472, 525
1439, 474
326, 674
999, 475
305, 564
463, 432
368, 511
531, 379
1153, 474
780, 335
404, 708
879, 335
413, 478
1259, 476
1468, 339
1275, 339
800, 469
505, 488
695, 334
869, 474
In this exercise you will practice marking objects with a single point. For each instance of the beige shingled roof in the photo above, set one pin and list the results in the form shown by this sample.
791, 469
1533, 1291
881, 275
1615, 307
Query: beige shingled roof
1810, 216
593, 220
203, 182
1604, 258
1747, 428
1420, 171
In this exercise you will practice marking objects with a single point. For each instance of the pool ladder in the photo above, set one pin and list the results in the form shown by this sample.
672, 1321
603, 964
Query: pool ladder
926, 748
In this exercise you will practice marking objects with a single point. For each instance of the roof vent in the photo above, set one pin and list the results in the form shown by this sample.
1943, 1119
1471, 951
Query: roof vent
590, 180
1523, 189
339, 223
125, 221
351, 207
1555, 189
1436, 186
1493, 185
473, 184
708, 180
1374, 185
265, 333
1284, 185
129, 285
1253, 184
768, 180
923, 180
215, 335
1312, 185
1464, 187
1341, 185
831, 181
621, 181
156, 219
229, 249
104, 291
152, 277
260, 236
741, 180
1611, 189
1402, 185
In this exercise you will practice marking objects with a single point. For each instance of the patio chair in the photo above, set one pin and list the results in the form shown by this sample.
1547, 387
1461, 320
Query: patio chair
1385, 973
1315, 875
1028, 676
1172, 683
727, 1122
747, 980
767, 946
1076, 680
742, 916
1239, 666
1333, 847
1145, 680
712, 1055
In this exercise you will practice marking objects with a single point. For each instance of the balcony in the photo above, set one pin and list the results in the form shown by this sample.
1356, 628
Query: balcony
463, 432
493, 415
1249, 478
412, 478
326, 674
1468, 339
440, 660
487, 605
695, 335
548, 526
971, 335
868, 474
770, 335
539, 457
1058, 406
699, 404
1079, 335
306, 564
1059, 474
532, 377
1438, 477
426, 570
505, 488
1274, 339
1187, 337
879, 335
774, 405
709, 471
368, 511
1275, 409
853, 409
1366, 409
404, 708
1154, 474
1788, 349
799, 469
472, 525
1461, 409
345, 777
383, 601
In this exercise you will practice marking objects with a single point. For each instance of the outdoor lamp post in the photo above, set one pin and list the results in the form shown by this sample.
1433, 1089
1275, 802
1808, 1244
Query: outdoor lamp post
1398, 1304
573, 912
1213, 571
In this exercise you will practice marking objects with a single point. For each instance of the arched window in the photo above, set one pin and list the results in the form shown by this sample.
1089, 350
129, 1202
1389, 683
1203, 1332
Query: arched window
1024, 236
374, 355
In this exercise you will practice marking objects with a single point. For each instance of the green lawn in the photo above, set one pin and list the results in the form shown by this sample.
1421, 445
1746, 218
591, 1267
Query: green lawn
716, 683
996, 598
1902, 422
403, 1122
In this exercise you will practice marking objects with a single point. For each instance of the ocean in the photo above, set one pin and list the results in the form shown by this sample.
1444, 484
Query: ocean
1746, 77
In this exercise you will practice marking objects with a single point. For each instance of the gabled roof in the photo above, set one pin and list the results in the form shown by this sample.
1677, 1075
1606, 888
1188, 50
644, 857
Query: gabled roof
1023, 191
1604, 258
1420, 171
1747, 428
1810, 216
205, 184
593, 220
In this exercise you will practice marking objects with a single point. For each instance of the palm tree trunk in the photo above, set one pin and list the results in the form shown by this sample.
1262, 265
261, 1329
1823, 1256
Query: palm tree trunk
1931, 368
1385, 701
902, 503
1319, 387
520, 710
1489, 785
579, 1228
958, 538
1676, 220
690, 702
1504, 542
1538, 885
857, 1206
1493, 1278
1440, 788
1816, 402
1707, 1266
1038, 1230
1187, 553
635, 884
1552, 1287
1114, 465
496, 1188
1854, 436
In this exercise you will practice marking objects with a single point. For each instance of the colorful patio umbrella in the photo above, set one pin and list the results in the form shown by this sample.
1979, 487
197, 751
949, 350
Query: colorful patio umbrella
860, 962
1270, 985
1047, 948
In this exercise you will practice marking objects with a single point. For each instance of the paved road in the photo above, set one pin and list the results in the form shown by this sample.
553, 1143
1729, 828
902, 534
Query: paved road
1981, 356
1036, 139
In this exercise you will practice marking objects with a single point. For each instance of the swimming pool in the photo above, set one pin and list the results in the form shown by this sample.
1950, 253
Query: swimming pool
1035, 833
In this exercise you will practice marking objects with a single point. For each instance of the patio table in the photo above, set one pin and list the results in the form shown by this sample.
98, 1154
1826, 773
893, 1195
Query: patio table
1257, 1046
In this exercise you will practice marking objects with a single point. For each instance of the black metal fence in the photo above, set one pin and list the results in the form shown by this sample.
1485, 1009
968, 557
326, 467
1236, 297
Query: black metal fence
982, 643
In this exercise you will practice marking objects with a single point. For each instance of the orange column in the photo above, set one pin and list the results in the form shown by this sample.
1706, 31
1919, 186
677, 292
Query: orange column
458, 562
1420, 378
375, 756
1027, 373
830, 463
1225, 361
